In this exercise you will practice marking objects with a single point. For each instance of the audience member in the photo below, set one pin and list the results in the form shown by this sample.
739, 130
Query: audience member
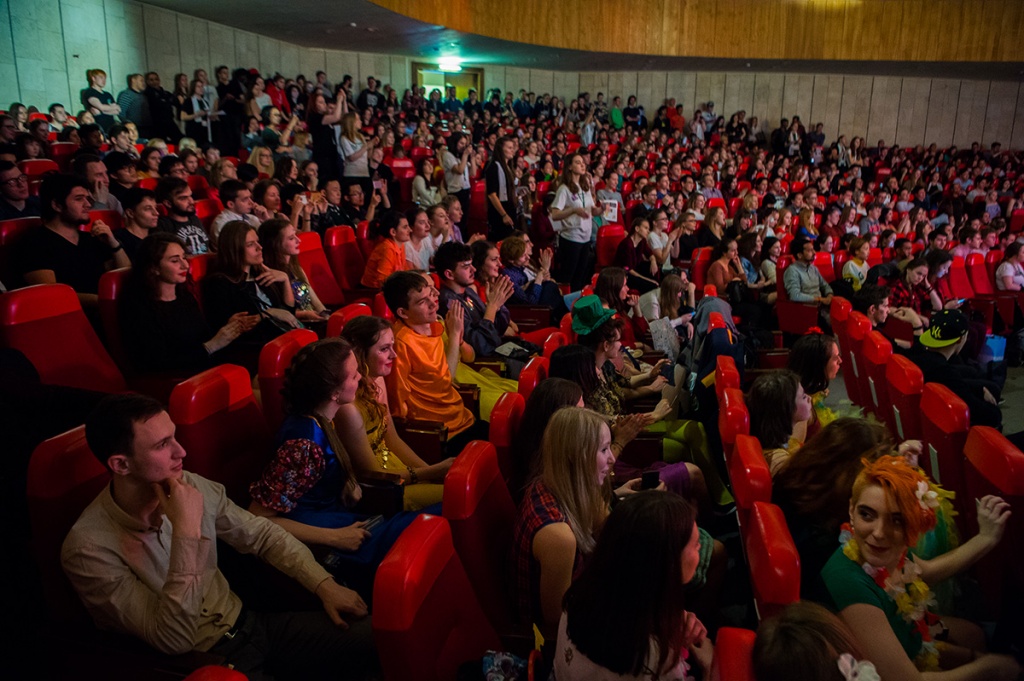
572, 213
778, 407
365, 424
388, 256
169, 592
176, 197
280, 243
91, 169
238, 205
140, 220
121, 174
309, 489
15, 201
419, 249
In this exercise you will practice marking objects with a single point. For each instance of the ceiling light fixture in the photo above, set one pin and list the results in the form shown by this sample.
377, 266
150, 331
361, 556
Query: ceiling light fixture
449, 64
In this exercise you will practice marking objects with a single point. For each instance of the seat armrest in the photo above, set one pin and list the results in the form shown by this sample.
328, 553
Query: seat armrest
383, 497
426, 438
470, 393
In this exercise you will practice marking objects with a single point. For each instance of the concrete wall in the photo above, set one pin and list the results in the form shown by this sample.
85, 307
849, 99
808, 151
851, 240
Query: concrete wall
47, 45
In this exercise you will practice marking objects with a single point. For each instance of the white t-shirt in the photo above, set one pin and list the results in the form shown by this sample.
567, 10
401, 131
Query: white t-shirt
1009, 269
358, 167
657, 241
573, 228
456, 181
420, 260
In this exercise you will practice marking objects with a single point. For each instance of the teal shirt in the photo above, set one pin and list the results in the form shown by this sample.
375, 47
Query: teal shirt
847, 584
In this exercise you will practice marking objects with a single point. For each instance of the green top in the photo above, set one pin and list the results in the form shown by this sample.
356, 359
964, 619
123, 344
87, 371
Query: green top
848, 584
615, 116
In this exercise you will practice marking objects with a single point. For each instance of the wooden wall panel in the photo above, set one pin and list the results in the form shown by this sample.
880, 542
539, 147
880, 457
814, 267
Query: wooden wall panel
543, 82
768, 91
222, 47
885, 109
517, 79
826, 104
943, 99
162, 55
1017, 139
913, 115
739, 94
247, 50
1000, 112
856, 107
797, 96
744, 29
339, 64
970, 112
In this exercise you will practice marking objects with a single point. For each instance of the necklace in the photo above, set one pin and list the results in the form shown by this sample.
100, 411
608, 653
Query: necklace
911, 595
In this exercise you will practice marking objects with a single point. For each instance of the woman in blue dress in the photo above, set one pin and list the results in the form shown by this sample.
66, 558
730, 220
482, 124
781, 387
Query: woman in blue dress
309, 488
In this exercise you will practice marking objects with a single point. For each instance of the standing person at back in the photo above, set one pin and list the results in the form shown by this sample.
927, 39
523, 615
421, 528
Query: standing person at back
502, 213
459, 165
572, 214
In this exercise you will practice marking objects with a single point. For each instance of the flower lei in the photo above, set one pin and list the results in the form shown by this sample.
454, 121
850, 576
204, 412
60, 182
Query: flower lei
911, 595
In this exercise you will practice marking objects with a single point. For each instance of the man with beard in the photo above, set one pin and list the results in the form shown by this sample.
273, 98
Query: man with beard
59, 252
181, 220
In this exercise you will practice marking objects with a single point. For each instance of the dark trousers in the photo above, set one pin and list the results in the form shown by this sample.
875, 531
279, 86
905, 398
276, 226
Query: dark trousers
456, 443
300, 645
574, 263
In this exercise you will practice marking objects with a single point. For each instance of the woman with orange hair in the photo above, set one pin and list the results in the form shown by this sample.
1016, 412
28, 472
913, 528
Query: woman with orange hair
881, 589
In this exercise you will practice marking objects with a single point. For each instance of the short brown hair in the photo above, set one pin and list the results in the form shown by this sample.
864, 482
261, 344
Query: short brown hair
512, 248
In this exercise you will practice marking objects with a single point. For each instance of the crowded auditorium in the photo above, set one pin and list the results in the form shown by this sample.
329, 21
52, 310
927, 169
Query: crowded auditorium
665, 340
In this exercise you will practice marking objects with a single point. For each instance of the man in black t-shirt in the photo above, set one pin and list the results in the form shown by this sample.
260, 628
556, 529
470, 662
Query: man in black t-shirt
161, 107
122, 174
58, 252
370, 98
181, 220
140, 219
14, 199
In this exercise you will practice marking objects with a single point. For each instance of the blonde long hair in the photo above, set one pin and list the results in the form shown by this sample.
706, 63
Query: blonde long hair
569, 463
350, 128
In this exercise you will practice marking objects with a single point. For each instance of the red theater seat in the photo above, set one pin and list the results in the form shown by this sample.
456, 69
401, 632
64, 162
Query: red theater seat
275, 358
47, 325
750, 476
535, 371
39, 166
481, 514
63, 478
207, 211
876, 351
554, 341
222, 429
699, 265
733, 651
857, 328
726, 375
733, 420
505, 416
112, 219
608, 239
905, 383
995, 466
945, 420
337, 321
10, 232
313, 261
794, 317
348, 262
773, 559
427, 620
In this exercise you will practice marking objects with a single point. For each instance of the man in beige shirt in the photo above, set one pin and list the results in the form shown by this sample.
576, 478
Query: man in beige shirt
143, 559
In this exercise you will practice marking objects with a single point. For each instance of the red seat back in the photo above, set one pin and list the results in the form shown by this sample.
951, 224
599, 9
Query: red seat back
63, 478
734, 650
905, 383
726, 375
380, 308
876, 351
111, 287
857, 329
207, 211
823, 261
10, 232
959, 284
773, 559
750, 476
554, 341
505, 416
535, 371
337, 321
481, 513
733, 420
38, 166
47, 325
608, 239
794, 318
313, 261
427, 620
222, 428
992, 260
994, 465
699, 268
344, 256
149, 183
565, 327
945, 420
839, 259
112, 219
978, 275
275, 358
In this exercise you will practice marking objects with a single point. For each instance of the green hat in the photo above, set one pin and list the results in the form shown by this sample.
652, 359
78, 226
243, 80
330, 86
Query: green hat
588, 315
947, 327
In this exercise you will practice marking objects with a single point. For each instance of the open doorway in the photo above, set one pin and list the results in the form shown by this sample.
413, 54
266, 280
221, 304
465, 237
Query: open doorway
430, 76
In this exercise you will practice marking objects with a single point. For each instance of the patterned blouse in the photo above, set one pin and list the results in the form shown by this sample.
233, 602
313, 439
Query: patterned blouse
608, 398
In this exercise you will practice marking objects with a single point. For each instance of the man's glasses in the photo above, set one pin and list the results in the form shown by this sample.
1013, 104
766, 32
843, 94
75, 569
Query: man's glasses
14, 181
